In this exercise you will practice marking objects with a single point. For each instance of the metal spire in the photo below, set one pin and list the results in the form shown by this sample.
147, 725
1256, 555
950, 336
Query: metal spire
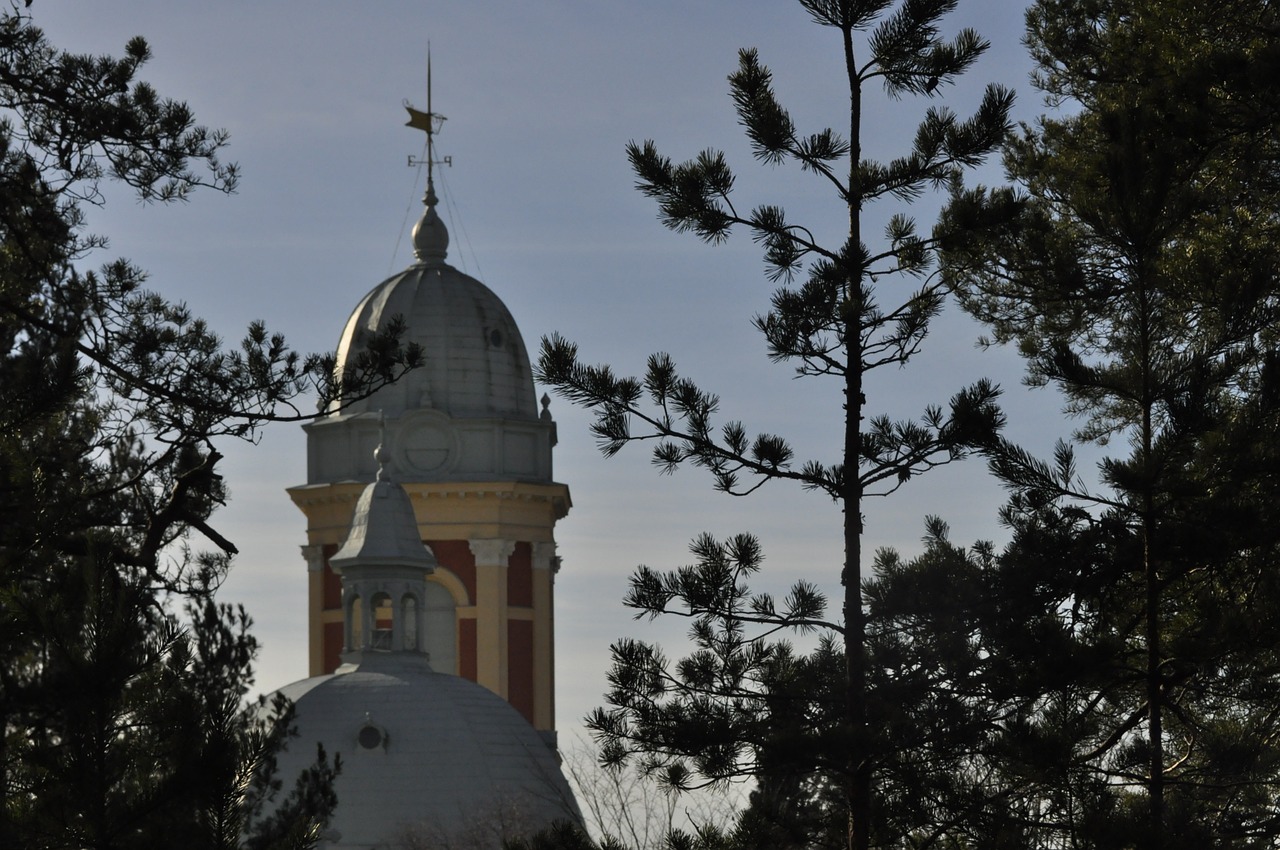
430, 237
430, 123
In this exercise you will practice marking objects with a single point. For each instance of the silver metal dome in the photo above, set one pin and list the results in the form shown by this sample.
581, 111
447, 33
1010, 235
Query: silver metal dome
475, 362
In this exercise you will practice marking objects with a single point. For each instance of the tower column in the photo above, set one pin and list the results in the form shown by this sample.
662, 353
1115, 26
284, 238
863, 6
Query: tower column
544, 690
491, 611
314, 556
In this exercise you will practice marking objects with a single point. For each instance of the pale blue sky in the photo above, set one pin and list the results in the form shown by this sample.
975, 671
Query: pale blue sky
541, 99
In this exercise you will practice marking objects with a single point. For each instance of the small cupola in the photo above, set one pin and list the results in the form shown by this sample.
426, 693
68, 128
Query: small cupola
384, 566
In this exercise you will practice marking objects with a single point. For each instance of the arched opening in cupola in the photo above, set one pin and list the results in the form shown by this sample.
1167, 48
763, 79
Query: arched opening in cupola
409, 621
441, 628
383, 622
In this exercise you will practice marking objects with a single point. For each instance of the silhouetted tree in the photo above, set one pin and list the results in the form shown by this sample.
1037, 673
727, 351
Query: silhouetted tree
808, 729
122, 682
1140, 277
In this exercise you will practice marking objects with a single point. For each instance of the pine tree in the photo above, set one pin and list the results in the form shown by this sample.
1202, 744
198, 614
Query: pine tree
122, 682
1140, 278
807, 728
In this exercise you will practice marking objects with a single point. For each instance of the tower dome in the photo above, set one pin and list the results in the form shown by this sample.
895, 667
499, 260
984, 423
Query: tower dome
468, 412
474, 361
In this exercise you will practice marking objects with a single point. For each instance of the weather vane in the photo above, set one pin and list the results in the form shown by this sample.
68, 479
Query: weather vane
430, 123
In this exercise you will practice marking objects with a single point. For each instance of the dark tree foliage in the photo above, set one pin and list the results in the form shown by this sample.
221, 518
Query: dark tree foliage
122, 681
560, 836
809, 730
1032, 661
1141, 277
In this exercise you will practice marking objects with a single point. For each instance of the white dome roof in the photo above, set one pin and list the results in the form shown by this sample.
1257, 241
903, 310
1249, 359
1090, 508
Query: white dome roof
475, 362
425, 751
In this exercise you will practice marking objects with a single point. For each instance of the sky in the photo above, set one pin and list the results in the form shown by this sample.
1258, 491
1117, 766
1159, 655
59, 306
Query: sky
541, 99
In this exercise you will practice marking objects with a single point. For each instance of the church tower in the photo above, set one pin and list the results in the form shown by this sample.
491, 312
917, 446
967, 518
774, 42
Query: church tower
473, 451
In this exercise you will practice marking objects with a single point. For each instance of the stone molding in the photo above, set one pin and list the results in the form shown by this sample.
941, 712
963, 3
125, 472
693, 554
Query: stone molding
314, 556
492, 552
544, 556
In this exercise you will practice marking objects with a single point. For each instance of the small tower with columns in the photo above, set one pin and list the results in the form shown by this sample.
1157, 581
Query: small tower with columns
384, 567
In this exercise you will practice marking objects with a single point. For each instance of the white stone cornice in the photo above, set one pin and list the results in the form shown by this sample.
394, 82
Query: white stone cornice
492, 551
314, 556
544, 556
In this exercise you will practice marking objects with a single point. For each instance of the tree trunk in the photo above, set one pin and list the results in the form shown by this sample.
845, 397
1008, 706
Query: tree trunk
858, 768
1151, 578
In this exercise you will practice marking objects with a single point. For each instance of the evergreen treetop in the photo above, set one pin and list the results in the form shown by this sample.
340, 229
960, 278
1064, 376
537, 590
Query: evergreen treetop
840, 311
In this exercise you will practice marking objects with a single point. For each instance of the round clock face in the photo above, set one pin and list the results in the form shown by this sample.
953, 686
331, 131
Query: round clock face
426, 446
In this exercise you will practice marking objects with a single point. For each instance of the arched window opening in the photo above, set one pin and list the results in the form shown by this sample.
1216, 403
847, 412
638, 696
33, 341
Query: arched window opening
352, 635
440, 630
409, 621
383, 622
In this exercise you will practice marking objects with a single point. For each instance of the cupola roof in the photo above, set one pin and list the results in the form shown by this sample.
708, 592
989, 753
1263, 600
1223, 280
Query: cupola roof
384, 531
